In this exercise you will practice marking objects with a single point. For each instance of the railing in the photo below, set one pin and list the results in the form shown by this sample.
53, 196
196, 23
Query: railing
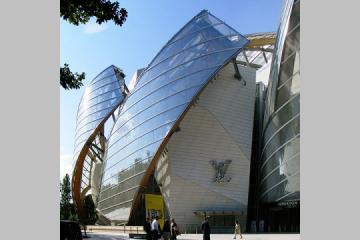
122, 229
184, 229
196, 229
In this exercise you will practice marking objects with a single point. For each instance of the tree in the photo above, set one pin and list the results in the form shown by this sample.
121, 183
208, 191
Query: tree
89, 216
79, 12
69, 80
65, 204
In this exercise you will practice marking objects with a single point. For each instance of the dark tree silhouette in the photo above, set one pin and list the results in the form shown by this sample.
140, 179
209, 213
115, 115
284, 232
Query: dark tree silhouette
89, 216
79, 12
69, 80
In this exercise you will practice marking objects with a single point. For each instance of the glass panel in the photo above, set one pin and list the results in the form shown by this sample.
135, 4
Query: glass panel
106, 73
184, 59
99, 95
119, 212
206, 34
100, 106
178, 46
197, 25
272, 161
286, 70
113, 168
117, 198
139, 134
290, 185
287, 91
200, 76
290, 196
286, 167
168, 93
130, 121
285, 134
112, 80
93, 116
286, 113
292, 43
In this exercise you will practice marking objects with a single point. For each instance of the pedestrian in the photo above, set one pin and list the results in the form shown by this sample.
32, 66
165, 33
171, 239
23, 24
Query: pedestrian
147, 228
237, 229
166, 230
174, 229
155, 230
205, 228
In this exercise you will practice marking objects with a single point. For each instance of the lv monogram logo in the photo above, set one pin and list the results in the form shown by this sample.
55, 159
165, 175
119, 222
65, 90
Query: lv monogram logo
220, 170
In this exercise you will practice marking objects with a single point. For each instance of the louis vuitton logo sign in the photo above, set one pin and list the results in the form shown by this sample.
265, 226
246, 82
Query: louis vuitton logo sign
220, 170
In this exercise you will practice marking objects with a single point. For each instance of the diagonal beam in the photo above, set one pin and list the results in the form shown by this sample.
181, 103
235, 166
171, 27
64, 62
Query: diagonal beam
246, 59
266, 60
95, 153
99, 149
259, 49
253, 65
237, 72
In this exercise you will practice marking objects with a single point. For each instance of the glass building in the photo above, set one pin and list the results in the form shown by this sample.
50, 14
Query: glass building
211, 125
163, 93
279, 170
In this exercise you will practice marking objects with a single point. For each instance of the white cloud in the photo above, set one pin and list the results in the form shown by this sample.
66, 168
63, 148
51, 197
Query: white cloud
93, 27
65, 165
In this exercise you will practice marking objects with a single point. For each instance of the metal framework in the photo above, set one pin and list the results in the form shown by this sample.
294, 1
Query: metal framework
259, 51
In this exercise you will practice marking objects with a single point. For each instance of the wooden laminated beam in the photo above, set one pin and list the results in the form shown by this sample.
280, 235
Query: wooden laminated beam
258, 42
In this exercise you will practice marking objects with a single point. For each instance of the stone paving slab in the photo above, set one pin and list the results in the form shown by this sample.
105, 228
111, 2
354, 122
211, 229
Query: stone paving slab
125, 236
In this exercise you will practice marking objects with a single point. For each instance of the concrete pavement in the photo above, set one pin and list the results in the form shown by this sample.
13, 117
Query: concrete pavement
125, 236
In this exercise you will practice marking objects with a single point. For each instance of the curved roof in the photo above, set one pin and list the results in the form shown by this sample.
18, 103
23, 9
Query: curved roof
100, 99
163, 92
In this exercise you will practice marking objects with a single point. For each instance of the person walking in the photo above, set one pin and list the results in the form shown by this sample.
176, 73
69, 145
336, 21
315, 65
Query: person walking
147, 228
174, 229
205, 228
166, 230
237, 229
155, 230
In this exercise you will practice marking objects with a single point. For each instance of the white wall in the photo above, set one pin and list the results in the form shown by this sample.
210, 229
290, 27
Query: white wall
218, 127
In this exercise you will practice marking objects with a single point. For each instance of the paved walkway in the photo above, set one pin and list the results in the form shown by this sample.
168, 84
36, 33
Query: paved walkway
106, 236
123, 236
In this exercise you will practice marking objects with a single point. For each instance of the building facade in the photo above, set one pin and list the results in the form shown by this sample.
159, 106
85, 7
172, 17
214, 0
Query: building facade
196, 129
158, 105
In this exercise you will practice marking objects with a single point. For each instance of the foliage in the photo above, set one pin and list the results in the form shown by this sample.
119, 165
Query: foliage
69, 80
89, 213
67, 210
89, 216
80, 11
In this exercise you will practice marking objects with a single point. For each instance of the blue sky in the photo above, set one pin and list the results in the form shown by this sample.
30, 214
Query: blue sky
90, 48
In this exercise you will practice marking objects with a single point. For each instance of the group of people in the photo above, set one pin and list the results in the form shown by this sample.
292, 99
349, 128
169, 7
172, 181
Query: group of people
205, 228
153, 231
170, 229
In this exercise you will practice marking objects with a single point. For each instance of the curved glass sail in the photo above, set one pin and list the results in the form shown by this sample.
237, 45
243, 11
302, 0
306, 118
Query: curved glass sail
165, 88
100, 99
101, 96
280, 157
